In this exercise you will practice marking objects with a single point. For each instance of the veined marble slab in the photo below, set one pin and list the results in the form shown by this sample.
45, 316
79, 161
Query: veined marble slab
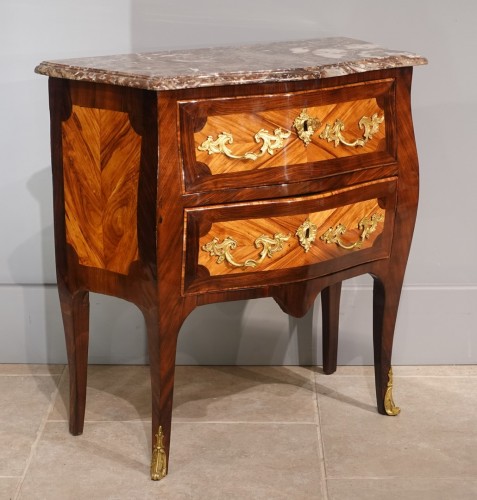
234, 65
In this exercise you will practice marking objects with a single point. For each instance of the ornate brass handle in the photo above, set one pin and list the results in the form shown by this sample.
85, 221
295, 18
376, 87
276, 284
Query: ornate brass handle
222, 250
370, 126
271, 142
367, 226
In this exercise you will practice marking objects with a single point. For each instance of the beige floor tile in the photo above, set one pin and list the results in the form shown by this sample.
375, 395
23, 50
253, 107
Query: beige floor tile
17, 369
434, 436
119, 393
208, 461
8, 487
428, 451
217, 461
24, 404
105, 462
402, 489
244, 394
114, 393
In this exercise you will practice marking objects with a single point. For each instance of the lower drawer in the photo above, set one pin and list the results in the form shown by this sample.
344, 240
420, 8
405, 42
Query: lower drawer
277, 241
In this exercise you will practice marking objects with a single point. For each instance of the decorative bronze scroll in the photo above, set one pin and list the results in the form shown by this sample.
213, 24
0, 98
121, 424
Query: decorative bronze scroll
367, 226
271, 142
270, 245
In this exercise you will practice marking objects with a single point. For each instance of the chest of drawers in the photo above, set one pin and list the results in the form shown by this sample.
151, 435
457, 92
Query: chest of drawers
193, 177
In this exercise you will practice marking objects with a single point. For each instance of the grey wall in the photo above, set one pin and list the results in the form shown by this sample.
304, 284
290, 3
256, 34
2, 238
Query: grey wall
438, 312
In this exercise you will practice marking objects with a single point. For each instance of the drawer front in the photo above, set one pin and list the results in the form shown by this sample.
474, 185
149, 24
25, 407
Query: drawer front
238, 142
243, 245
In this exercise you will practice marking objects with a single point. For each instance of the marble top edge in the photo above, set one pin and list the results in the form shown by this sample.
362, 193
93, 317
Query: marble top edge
233, 65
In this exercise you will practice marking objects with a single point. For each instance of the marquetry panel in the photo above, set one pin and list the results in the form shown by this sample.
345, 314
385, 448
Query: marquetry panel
101, 158
244, 126
290, 253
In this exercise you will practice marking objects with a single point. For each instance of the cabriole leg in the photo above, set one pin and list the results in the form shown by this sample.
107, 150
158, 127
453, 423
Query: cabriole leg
75, 312
162, 337
385, 307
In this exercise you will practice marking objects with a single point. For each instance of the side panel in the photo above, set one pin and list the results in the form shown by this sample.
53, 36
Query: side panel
104, 159
101, 173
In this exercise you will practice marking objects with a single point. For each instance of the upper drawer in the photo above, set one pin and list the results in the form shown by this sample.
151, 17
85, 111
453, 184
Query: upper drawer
251, 141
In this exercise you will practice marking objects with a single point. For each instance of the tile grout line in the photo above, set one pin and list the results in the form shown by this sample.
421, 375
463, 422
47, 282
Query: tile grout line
406, 376
39, 433
241, 422
321, 448
193, 422
31, 374
385, 478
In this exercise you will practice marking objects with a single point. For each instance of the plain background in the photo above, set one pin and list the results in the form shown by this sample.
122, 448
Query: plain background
437, 320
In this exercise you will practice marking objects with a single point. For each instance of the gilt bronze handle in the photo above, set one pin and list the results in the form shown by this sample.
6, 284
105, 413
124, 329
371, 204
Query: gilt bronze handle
332, 133
222, 251
367, 226
271, 142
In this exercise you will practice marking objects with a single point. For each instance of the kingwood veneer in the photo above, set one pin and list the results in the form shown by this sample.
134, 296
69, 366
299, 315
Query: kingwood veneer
193, 177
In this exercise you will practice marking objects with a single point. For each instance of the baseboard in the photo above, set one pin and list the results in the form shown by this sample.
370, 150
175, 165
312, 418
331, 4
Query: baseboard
436, 325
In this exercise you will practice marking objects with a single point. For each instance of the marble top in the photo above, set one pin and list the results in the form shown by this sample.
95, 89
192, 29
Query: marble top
233, 65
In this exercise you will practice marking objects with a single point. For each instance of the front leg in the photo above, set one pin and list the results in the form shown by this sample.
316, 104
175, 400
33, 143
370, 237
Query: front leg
163, 330
386, 296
